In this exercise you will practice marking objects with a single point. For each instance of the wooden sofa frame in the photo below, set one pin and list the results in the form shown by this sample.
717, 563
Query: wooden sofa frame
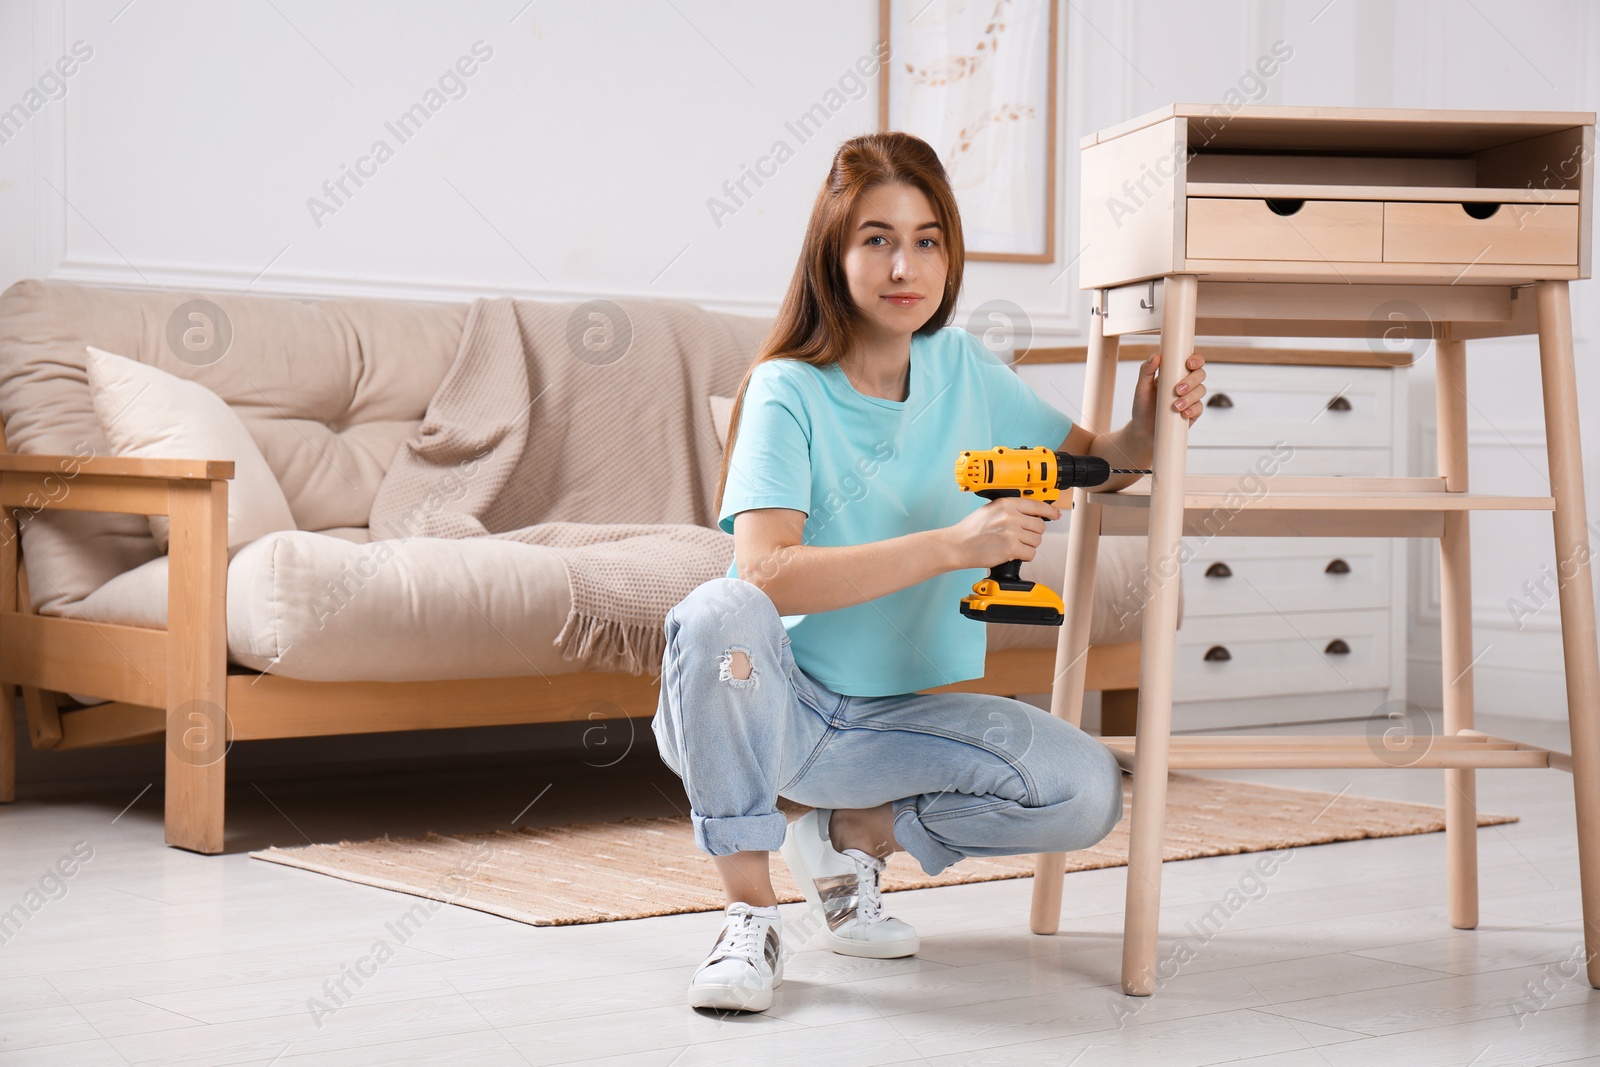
176, 684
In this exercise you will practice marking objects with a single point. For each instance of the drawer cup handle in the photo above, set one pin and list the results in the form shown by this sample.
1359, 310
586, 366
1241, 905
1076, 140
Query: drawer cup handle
1219, 570
1339, 403
1336, 647
1217, 654
1220, 400
1283, 206
1480, 209
1337, 566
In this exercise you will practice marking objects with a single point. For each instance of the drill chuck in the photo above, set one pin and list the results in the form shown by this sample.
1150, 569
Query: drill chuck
1078, 472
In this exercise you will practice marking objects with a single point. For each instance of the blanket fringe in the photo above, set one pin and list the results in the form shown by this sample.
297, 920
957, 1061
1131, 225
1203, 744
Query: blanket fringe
625, 647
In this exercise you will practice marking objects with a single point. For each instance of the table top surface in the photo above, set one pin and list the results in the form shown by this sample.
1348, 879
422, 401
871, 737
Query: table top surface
1280, 127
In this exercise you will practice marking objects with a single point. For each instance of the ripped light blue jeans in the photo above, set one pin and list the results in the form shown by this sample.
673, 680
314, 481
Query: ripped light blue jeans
967, 774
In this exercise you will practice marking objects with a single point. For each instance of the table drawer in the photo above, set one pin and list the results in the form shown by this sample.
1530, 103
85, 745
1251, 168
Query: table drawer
1448, 233
1343, 231
1251, 575
1281, 655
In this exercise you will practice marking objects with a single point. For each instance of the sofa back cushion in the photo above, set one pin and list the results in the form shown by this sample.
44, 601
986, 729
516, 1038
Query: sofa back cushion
144, 411
327, 388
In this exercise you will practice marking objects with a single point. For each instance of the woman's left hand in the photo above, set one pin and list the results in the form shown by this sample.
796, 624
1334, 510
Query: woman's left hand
1184, 396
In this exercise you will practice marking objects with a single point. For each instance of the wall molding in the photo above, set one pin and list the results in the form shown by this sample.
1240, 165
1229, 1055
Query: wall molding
1533, 693
1503, 690
1092, 102
218, 278
1513, 437
208, 278
55, 259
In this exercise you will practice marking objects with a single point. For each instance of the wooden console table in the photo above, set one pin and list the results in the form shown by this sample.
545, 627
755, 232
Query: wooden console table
1341, 223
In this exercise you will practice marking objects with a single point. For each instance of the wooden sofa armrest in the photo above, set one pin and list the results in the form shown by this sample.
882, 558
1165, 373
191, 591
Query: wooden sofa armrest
194, 493
119, 484
118, 466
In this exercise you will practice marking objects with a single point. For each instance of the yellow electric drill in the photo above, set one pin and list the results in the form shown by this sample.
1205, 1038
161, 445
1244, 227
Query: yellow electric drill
1040, 473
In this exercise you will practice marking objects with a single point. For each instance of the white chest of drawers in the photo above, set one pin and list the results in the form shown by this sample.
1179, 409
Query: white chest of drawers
1280, 629
1296, 629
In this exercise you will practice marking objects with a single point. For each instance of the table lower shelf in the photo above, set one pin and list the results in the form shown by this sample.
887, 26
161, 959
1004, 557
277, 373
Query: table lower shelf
1247, 506
1468, 749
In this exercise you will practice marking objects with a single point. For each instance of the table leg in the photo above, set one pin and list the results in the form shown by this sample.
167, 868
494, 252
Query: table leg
1455, 613
1077, 594
1576, 590
1161, 577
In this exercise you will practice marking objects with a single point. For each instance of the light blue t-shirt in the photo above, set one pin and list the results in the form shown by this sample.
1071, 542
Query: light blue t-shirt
865, 469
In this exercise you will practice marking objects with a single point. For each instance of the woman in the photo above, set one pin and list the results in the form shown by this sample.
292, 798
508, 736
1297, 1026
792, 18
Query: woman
798, 673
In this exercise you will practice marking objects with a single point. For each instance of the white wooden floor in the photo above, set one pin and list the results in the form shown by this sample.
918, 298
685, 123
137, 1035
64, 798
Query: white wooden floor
1343, 956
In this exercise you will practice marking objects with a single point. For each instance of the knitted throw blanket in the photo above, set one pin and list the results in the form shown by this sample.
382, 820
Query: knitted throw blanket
583, 428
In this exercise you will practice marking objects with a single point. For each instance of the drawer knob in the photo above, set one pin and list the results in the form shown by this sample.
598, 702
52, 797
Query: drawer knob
1283, 206
1337, 566
1219, 569
1339, 403
1336, 647
1480, 210
1220, 400
1217, 654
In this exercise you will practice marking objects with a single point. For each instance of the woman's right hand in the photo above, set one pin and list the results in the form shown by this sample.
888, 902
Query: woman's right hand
1006, 528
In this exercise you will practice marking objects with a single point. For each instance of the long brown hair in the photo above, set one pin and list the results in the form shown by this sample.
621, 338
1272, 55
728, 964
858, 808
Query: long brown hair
818, 319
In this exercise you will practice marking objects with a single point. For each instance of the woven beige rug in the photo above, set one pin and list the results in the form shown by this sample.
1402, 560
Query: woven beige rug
597, 872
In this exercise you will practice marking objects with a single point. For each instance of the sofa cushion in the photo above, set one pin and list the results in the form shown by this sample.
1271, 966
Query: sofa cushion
324, 608
328, 389
144, 411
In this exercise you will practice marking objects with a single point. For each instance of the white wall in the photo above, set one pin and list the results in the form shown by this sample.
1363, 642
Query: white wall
581, 157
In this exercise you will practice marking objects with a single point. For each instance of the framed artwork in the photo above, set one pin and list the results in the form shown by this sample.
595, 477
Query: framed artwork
976, 79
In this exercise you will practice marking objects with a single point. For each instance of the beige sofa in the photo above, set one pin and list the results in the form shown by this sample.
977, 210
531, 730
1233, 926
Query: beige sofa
299, 633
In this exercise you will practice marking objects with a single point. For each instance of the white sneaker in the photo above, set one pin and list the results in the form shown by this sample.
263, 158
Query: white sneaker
744, 965
842, 889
